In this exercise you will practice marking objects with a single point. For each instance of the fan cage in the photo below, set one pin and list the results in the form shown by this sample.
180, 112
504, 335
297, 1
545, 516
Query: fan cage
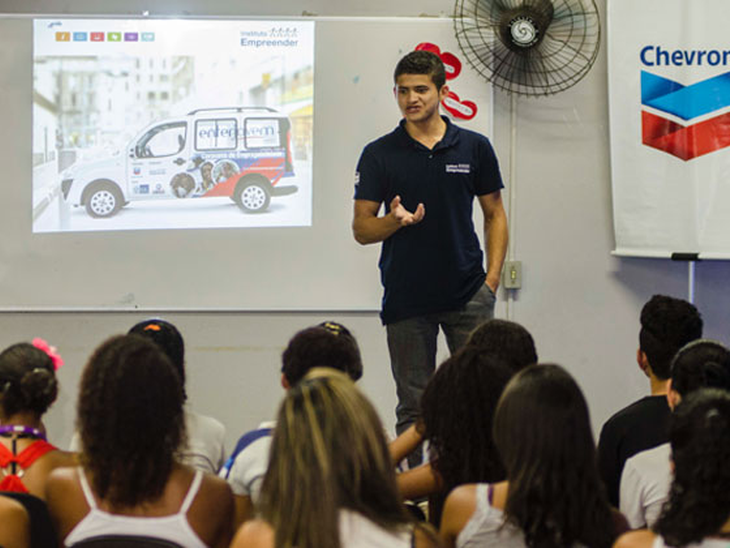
557, 60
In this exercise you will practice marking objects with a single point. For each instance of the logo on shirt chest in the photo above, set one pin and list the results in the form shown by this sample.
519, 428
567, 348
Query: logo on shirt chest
458, 168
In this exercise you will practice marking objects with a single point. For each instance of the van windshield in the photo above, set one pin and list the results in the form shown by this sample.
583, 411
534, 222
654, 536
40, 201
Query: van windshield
163, 140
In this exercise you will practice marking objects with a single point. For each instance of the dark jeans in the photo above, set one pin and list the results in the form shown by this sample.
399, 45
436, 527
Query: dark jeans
412, 347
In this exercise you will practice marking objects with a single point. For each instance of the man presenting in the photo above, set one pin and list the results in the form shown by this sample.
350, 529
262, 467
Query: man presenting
427, 173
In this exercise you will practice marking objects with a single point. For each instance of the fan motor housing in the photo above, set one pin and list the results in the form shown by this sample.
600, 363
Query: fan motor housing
523, 28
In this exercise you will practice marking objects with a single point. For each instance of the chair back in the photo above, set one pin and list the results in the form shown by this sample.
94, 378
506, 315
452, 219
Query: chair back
123, 541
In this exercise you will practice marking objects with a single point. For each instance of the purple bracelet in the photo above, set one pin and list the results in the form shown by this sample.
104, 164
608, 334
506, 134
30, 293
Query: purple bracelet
26, 431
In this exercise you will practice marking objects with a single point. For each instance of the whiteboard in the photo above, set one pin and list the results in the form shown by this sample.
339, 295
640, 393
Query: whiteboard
319, 267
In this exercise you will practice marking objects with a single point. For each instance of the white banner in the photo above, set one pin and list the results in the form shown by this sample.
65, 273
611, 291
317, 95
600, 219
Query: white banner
669, 99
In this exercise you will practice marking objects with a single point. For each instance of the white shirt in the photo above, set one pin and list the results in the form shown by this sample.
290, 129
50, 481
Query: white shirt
356, 531
705, 543
204, 450
645, 483
245, 472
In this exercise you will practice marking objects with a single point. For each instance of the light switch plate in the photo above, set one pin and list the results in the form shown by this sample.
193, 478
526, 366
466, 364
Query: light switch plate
512, 275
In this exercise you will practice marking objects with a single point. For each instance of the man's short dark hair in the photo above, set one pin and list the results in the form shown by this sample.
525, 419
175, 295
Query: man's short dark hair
667, 324
505, 340
422, 62
329, 344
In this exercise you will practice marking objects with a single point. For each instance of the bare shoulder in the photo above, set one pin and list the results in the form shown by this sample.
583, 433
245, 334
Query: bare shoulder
211, 513
12, 511
61, 458
254, 534
214, 493
219, 493
15, 530
216, 485
65, 498
636, 539
61, 478
463, 497
458, 509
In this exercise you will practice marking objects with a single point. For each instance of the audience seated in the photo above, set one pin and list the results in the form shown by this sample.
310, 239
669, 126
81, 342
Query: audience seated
204, 447
553, 494
28, 387
328, 344
667, 324
330, 483
464, 391
14, 524
453, 396
131, 424
647, 475
697, 513
510, 443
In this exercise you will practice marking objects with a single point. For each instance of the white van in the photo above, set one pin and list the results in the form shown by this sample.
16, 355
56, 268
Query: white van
239, 152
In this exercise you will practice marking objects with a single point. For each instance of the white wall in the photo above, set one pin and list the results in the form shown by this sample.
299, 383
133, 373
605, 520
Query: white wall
581, 304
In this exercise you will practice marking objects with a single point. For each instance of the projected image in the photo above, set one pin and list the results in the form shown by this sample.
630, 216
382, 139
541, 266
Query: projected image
145, 124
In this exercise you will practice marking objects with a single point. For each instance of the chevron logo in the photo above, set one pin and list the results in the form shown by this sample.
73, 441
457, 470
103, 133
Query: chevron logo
690, 141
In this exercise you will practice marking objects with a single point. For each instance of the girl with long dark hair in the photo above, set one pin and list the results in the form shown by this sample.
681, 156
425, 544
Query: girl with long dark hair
553, 496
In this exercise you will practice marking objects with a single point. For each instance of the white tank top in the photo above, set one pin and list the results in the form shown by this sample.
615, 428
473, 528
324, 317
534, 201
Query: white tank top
174, 527
356, 531
705, 543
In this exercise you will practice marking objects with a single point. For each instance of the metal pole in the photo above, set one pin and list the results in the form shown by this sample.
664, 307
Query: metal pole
512, 196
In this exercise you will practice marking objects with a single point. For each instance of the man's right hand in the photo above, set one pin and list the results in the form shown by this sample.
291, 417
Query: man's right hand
405, 217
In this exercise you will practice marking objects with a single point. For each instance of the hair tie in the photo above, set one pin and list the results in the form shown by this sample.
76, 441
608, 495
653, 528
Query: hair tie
50, 351
711, 414
334, 328
152, 327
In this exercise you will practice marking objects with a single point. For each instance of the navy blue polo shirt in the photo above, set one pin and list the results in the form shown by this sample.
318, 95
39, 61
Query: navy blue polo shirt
436, 265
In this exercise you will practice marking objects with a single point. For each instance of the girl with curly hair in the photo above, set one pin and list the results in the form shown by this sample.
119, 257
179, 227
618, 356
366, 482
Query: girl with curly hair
464, 391
553, 496
697, 513
130, 482
28, 387
330, 482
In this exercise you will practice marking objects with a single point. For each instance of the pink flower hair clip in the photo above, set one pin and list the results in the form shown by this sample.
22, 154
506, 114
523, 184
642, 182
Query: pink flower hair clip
52, 352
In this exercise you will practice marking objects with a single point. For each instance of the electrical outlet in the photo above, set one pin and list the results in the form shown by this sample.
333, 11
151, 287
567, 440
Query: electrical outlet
512, 275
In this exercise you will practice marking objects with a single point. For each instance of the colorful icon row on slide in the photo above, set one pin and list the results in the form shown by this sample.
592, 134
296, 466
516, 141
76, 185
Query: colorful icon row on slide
66, 36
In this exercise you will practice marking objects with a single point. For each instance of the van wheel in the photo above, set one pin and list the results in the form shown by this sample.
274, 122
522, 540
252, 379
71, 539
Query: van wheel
103, 200
252, 196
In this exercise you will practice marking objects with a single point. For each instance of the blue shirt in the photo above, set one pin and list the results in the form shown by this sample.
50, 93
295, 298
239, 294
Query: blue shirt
437, 264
